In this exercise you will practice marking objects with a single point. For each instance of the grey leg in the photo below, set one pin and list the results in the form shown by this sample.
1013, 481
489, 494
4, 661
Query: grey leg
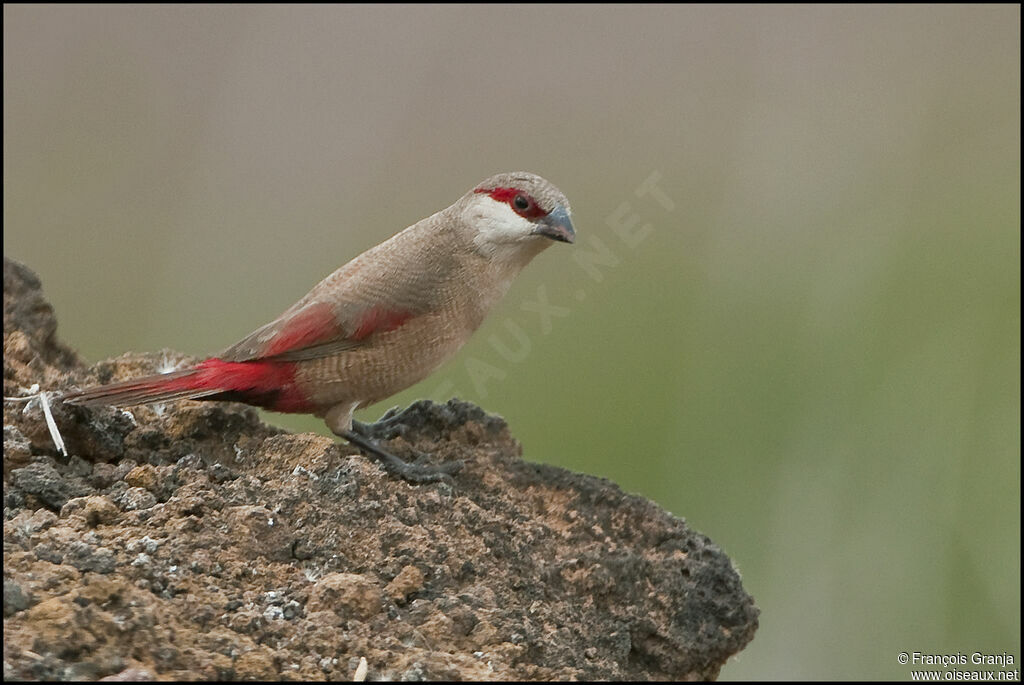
414, 473
339, 420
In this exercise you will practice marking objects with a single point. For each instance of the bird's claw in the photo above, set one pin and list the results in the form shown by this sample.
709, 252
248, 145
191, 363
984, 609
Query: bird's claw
413, 472
388, 426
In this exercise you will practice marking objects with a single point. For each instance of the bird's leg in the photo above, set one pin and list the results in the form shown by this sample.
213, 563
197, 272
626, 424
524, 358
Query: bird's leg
340, 422
414, 473
391, 425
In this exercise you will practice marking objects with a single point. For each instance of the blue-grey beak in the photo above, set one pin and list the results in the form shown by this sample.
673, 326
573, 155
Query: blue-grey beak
557, 225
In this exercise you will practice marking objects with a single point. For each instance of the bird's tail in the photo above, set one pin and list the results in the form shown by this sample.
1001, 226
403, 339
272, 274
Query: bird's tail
187, 384
267, 384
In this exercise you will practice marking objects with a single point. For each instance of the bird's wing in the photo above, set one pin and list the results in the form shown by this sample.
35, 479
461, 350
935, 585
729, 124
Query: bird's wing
349, 307
316, 329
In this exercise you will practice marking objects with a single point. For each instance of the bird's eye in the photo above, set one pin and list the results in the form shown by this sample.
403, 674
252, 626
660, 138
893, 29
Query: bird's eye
521, 203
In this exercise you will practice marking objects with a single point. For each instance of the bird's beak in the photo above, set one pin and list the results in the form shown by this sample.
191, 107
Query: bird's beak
557, 225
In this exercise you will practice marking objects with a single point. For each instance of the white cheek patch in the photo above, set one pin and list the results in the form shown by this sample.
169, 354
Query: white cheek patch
496, 223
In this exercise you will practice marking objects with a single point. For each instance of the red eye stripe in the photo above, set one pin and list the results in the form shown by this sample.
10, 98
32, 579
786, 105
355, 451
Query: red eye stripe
508, 196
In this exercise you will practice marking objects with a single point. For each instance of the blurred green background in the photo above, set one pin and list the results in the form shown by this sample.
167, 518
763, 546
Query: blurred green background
807, 342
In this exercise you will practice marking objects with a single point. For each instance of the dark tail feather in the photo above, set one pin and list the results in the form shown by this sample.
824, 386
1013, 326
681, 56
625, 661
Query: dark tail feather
177, 385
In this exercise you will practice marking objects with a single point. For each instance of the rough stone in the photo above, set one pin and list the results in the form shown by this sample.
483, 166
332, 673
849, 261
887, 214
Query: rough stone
17, 448
143, 476
347, 594
47, 484
15, 598
95, 509
409, 580
196, 543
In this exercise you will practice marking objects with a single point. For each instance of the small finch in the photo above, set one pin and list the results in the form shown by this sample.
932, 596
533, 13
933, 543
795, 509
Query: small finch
379, 324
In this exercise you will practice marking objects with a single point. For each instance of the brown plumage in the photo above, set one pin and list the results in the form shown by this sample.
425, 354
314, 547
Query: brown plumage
382, 322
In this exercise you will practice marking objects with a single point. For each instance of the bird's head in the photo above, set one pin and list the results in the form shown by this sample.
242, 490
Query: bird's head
517, 213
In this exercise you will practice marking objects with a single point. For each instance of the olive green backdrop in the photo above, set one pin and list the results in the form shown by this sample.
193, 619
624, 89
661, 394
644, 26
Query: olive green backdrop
792, 316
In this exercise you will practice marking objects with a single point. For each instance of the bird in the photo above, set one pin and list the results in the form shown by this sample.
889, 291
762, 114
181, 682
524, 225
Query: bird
379, 324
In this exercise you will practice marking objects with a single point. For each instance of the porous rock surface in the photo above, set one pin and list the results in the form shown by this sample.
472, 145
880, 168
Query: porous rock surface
192, 541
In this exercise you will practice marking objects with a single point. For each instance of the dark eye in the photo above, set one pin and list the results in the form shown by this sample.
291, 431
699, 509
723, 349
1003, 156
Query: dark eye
521, 203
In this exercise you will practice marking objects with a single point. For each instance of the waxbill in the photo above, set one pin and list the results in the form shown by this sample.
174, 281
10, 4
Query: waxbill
379, 324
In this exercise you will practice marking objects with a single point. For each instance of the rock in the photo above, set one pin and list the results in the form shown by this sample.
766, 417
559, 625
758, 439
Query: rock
17, 448
15, 598
256, 665
95, 509
133, 499
43, 481
260, 532
144, 476
196, 543
409, 580
347, 594
129, 675
53, 626
86, 557
30, 326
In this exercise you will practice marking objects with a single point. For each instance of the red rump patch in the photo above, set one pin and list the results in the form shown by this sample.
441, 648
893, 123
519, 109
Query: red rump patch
313, 324
379, 320
508, 196
271, 384
262, 383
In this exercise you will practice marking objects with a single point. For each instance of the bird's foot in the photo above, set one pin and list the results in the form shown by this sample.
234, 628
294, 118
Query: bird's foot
391, 424
412, 472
